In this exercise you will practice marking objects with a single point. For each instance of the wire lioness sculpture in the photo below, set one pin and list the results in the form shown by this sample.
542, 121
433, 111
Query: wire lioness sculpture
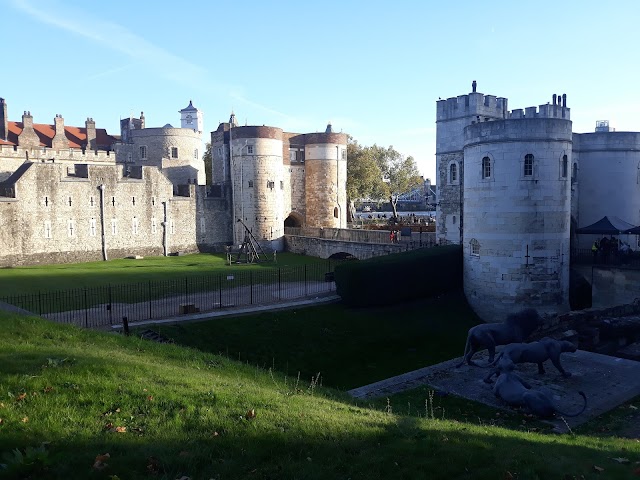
534, 352
515, 392
515, 329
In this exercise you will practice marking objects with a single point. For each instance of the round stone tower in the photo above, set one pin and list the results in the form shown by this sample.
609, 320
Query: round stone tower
257, 174
326, 179
517, 190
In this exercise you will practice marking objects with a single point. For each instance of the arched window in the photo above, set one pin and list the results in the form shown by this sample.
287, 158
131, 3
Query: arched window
574, 173
453, 173
335, 212
528, 165
486, 167
474, 247
565, 166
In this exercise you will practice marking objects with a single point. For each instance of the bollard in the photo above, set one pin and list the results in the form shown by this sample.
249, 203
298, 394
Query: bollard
125, 325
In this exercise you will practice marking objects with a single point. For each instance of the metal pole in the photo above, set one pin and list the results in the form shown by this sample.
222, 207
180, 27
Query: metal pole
86, 309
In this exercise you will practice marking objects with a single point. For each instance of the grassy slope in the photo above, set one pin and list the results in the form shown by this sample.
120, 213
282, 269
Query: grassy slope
21, 280
172, 399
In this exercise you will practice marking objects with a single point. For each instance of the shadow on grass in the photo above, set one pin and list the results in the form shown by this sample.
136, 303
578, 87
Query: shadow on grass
400, 447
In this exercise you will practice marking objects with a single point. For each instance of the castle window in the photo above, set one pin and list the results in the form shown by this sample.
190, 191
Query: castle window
154, 225
129, 158
172, 227
453, 220
281, 185
565, 166
335, 212
292, 154
195, 154
153, 201
92, 227
91, 201
474, 247
113, 201
574, 173
453, 173
143, 152
174, 152
528, 165
134, 226
69, 201
133, 201
47, 229
486, 167
250, 149
71, 229
271, 184
114, 226
202, 225
250, 183
46, 203
344, 154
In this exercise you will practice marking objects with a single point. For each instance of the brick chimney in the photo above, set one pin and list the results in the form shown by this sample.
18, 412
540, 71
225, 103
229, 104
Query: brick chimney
59, 140
4, 120
90, 125
28, 137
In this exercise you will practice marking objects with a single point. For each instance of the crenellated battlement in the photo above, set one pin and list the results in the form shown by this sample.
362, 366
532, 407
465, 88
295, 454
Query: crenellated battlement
473, 104
47, 154
542, 111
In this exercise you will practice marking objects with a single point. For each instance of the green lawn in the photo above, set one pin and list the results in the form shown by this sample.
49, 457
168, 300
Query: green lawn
165, 411
44, 278
350, 347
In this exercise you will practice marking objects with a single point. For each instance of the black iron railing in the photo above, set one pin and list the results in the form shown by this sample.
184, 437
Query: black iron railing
160, 299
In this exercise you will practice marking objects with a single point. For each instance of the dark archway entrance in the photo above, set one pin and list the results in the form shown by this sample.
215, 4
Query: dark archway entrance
343, 256
293, 220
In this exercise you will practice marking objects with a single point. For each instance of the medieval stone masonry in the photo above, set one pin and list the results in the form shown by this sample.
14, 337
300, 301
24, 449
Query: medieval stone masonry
511, 184
70, 194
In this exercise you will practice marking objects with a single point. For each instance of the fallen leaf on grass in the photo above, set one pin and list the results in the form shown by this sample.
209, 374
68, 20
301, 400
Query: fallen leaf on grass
215, 434
598, 469
21, 397
99, 463
620, 460
108, 426
47, 389
1, 421
150, 398
120, 429
25, 419
250, 414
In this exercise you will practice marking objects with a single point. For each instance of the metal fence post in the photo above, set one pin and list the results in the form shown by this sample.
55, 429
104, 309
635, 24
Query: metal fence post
39, 302
250, 287
186, 290
279, 285
149, 297
86, 309
220, 288
110, 306
305, 280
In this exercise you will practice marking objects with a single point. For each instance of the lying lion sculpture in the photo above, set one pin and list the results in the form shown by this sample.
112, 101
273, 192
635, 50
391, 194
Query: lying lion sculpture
515, 329
517, 393
534, 352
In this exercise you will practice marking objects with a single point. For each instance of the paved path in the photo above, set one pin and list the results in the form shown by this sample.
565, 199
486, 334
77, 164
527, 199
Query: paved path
607, 382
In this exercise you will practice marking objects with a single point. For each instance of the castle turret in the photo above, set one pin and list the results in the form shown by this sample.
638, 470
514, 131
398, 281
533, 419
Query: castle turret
28, 138
453, 115
516, 204
326, 179
4, 120
257, 173
90, 126
191, 117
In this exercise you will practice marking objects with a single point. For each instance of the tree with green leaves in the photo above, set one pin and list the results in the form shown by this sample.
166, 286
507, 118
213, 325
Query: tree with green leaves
206, 158
377, 172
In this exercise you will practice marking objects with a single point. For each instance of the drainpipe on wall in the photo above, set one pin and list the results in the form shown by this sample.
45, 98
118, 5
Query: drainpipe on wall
102, 223
165, 238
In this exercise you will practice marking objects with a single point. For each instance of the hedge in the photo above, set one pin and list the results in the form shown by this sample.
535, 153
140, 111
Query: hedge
400, 277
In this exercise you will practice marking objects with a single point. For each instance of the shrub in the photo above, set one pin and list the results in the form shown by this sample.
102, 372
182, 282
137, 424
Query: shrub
400, 277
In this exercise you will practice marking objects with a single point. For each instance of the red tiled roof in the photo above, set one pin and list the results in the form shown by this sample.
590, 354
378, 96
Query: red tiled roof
77, 136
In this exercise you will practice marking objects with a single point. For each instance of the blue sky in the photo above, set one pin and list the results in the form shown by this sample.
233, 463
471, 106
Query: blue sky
374, 69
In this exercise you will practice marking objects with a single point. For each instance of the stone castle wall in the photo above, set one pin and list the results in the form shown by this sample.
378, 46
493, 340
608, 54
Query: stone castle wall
516, 221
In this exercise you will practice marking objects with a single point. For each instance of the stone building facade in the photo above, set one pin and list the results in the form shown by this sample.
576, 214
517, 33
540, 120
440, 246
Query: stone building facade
71, 194
513, 185
280, 179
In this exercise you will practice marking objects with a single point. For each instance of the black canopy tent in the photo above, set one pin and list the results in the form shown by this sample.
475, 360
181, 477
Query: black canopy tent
609, 226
